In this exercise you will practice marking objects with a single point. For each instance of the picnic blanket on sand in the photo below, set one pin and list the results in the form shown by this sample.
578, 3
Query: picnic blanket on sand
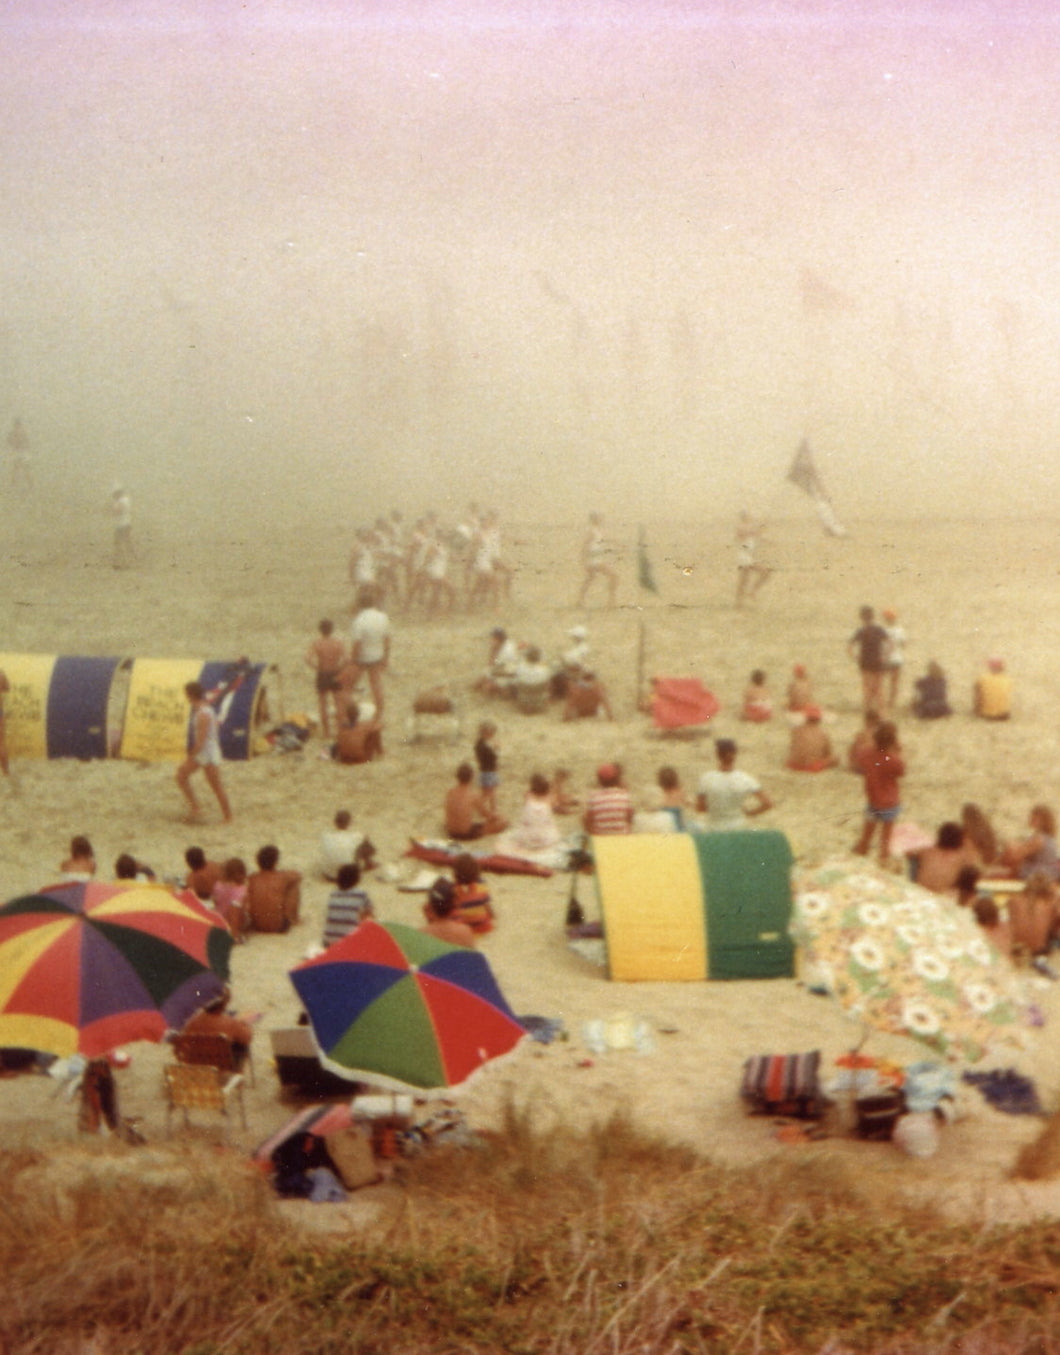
444, 853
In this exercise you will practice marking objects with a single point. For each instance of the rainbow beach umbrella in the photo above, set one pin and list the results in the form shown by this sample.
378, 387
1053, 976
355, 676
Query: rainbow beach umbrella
85, 967
397, 1008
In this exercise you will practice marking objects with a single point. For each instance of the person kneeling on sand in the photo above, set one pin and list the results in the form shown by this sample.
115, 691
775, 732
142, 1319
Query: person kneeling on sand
358, 740
214, 1019
438, 910
810, 749
274, 896
467, 815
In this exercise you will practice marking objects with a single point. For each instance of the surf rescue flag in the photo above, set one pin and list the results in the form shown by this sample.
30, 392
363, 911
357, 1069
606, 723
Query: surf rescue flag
645, 577
803, 472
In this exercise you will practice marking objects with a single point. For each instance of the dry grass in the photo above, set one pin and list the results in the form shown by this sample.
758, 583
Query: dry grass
535, 1244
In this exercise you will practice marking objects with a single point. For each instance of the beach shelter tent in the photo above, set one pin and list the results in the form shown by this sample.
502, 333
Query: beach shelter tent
157, 713
57, 705
696, 905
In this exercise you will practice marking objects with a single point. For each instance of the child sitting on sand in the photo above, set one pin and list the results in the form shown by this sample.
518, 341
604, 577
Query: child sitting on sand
471, 897
229, 896
563, 802
674, 801
810, 748
81, 863
800, 689
757, 703
441, 924
347, 906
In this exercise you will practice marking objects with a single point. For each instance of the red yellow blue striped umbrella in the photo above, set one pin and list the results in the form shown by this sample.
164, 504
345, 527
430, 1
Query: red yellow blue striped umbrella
397, 1008
85, 967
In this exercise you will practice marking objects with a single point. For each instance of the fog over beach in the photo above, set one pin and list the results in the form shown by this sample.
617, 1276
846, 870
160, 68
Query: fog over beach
616, 255
281, 268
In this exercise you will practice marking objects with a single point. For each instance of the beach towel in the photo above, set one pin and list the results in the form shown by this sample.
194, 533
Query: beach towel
679, 702
444, 853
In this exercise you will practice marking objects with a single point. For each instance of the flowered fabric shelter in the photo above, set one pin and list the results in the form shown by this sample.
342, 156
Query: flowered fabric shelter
904, 960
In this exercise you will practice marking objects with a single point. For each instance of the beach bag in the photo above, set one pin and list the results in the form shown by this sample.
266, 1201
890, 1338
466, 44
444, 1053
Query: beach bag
877, 1115
351, 1154
784, 1084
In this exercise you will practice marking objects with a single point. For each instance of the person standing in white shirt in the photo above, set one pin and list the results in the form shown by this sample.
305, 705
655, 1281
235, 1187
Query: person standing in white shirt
370, 647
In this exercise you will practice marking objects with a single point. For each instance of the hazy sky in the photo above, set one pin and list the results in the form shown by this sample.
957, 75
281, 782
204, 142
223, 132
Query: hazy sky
550, 254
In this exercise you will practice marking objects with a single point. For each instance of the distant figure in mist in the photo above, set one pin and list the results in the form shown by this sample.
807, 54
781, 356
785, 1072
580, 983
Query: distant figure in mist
595, 562
121, 513
21, 476
750, 574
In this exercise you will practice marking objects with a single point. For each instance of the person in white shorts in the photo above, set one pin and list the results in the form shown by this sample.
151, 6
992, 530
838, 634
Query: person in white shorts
204, 752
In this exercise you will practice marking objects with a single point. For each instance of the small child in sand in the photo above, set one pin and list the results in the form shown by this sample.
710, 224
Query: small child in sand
800, 689
487, 756
229, 894
757, 703
81, 863
471, 897
674, 800
563, 802
882, 767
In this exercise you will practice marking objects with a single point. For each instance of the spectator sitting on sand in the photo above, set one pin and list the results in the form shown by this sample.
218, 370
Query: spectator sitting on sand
729, 795
128, 868
229, 896
467, 816
499, 677
533, 682
202, 874
992, 692
358, 740
274, 896
1032, 915
81, 863
341, 844
931, 701
800, 689
535, 830
586, 697
864, 741
1038, 851
441, 924
347, 906
979, 835
563, 802
810, 749
757, 703
937, 868
609, 809
471, 898
997, 932
674, 801
215, 1020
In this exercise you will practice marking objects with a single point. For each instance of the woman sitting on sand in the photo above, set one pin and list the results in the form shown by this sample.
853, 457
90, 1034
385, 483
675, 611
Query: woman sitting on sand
979, 835
535, 830
931, 701
81, 863
1036, 853
757, 703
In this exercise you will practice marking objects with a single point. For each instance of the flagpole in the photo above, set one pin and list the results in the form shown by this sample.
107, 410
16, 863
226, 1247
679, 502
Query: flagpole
640, 667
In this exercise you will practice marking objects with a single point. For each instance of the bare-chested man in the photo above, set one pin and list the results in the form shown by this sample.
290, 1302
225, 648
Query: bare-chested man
327, 658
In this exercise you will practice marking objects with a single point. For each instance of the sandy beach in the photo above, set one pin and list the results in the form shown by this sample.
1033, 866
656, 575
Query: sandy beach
963, 589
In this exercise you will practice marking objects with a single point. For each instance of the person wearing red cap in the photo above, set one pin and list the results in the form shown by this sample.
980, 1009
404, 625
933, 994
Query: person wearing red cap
609, 809
811, 748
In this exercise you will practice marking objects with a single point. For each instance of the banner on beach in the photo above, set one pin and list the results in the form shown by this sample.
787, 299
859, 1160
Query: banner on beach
157, 715
693, 906
57, 705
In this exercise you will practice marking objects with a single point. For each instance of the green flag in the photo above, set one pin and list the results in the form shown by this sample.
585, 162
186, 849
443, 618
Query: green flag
644, 575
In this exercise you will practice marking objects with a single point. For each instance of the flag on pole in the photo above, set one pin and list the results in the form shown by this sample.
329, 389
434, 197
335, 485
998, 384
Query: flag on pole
645, 577
803, 472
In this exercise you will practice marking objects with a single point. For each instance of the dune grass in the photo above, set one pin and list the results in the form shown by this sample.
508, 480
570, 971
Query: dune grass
536, 1243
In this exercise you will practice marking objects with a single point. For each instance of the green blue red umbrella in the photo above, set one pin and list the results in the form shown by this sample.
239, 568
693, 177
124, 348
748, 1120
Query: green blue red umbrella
88, 966
397, 1008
